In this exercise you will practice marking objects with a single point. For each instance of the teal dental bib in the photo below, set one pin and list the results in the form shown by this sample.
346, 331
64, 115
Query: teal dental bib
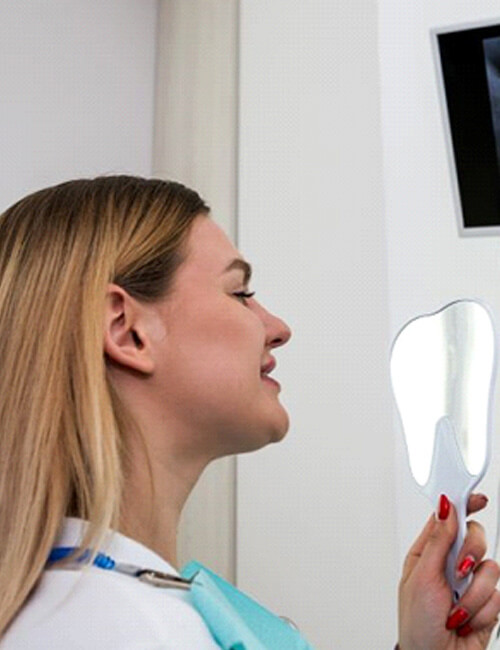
235, 620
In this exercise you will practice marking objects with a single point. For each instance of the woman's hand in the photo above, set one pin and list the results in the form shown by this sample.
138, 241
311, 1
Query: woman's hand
428, 619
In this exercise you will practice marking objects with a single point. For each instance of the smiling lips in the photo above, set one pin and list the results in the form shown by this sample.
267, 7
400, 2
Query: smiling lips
266, 369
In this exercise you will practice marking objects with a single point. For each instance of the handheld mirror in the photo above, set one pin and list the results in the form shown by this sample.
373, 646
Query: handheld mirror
443, 368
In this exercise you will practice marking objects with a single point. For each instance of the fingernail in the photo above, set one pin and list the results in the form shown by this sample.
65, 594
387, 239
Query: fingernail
466, 566
457, 618
465, 630
443, 508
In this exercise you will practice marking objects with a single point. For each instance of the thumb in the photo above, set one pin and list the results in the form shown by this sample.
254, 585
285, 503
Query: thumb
440, 539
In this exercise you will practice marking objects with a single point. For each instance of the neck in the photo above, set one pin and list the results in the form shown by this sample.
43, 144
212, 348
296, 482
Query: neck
164, 460
151, 512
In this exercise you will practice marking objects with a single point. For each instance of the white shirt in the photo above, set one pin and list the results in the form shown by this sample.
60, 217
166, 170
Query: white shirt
95, 609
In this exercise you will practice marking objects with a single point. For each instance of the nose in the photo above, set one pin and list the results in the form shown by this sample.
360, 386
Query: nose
277, 331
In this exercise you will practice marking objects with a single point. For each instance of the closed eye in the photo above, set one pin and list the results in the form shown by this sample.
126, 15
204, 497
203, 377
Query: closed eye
243, 296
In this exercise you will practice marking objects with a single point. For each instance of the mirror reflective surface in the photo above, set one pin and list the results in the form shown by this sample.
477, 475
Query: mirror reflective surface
442, 364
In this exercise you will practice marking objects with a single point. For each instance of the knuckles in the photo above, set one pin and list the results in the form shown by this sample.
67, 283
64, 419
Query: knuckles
496, 601
475, 542
492, 568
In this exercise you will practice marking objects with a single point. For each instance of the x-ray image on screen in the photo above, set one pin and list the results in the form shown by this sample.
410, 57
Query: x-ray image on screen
492, 60
469, 80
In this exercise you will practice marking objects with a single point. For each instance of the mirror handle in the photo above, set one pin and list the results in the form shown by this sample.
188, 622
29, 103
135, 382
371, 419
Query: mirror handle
449, 476
458, 586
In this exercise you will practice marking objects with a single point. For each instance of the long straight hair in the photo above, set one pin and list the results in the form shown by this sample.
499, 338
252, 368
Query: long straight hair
61, 425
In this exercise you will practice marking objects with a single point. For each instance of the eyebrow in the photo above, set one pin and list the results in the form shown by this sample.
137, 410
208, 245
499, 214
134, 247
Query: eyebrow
240, 265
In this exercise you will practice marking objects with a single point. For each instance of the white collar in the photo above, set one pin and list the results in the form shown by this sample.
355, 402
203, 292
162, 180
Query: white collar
118, 546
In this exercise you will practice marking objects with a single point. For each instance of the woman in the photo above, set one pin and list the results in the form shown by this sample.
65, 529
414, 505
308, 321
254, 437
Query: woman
132, 355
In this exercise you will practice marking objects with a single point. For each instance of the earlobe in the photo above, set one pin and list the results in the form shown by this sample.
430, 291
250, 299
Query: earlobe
125, 342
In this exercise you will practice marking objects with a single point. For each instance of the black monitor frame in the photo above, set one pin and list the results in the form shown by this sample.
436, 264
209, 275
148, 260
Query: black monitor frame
466, 101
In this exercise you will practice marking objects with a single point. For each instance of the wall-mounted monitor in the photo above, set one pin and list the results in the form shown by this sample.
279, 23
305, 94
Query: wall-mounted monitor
468, 64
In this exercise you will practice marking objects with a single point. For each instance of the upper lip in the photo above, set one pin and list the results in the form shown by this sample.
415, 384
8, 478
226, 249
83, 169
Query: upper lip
268, 367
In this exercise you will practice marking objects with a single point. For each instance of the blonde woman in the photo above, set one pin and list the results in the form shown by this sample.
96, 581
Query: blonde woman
132, 354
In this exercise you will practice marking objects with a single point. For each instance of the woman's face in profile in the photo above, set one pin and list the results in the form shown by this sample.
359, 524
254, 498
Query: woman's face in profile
213, 360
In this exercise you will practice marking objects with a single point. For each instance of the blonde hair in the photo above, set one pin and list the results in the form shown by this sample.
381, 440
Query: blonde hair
61, 425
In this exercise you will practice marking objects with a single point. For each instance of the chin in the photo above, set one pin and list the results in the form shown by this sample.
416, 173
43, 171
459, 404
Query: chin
272, 431
252, 433
278, 437
252, 440
281, 429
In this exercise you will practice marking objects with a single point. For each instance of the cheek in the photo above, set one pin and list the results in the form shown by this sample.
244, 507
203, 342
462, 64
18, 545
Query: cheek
219, 346
211, 381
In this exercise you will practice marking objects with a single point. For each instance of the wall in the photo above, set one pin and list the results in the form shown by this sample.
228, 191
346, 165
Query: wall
316, 526
128, 86
345, 254
195, 143
77, 85
429, 264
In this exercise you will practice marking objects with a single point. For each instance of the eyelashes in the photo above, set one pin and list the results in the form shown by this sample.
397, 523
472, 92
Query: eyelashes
243, 296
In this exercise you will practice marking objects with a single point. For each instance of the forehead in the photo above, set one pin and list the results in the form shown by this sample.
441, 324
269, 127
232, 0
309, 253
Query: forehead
208, 247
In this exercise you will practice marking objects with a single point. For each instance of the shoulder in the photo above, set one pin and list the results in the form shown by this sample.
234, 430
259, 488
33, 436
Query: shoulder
102, 610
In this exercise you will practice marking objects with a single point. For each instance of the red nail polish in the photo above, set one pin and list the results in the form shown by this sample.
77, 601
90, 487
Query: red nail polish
457, 618
465, 630
466, 566
444, 507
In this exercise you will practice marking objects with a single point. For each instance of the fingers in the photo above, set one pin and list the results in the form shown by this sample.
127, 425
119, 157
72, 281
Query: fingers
415, 552
432, 546
441, 537
487, 615
476, 503
480, 605
473, 549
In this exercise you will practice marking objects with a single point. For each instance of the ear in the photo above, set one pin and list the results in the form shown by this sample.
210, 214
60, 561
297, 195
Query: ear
125, 336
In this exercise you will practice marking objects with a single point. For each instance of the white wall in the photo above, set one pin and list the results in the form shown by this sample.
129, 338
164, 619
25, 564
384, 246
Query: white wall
350, 239
429, 264
76, 91
345, 254
78, 84
195, 143
316, 533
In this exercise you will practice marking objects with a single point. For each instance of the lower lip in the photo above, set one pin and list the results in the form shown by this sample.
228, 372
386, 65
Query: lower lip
269, 380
